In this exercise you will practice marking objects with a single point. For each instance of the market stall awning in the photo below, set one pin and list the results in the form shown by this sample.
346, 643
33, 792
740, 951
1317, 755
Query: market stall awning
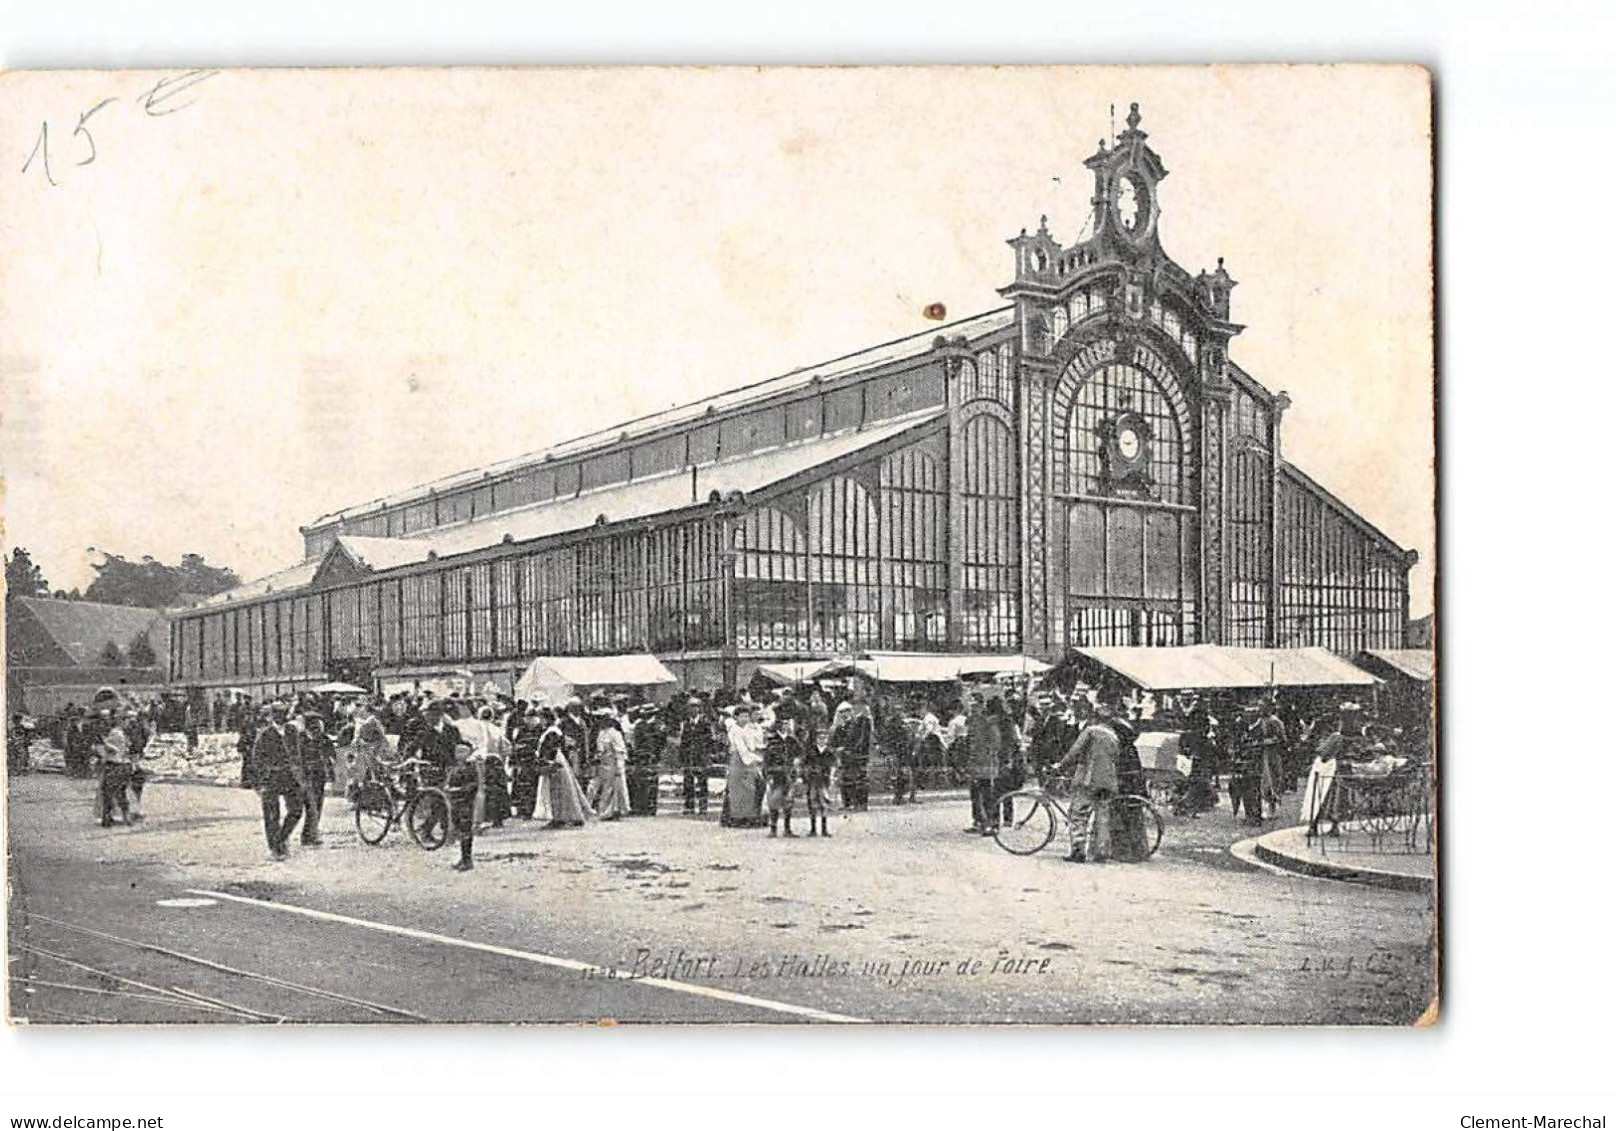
1415, 663
1209, 667
921, 667
557, 677
799, 671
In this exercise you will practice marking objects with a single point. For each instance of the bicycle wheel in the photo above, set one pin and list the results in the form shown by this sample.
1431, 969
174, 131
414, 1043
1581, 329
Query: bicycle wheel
1136, 827
427, 819
1029, 824
373, 811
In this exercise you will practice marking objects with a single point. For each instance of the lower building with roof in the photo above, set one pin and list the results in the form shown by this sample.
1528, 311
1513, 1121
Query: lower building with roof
1081, 466
58, 651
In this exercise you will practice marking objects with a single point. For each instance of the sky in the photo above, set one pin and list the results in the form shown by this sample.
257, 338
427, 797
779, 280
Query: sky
253, 297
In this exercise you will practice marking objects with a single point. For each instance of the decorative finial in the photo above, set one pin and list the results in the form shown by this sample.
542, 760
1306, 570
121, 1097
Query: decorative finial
1043, 224
1133, 115
1220, 263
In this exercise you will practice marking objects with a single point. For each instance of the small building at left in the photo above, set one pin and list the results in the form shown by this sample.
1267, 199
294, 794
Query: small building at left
59, 652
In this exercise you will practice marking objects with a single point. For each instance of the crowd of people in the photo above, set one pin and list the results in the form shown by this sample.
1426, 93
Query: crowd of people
778, 751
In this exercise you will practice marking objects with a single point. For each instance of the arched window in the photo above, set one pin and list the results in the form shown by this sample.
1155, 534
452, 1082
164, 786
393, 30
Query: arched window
986, 385
990, 536
843, 530
1057, 325
771, 599
915, 510
968, 389
1114, 391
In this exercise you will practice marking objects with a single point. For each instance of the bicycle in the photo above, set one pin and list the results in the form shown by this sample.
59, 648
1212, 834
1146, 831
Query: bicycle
1030, 817
401, 798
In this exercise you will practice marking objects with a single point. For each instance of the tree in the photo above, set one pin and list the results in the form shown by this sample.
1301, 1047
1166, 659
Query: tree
23, 577
112, 655
150, 584
141, 654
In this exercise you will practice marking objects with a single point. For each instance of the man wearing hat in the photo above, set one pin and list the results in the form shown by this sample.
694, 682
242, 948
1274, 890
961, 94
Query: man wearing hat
1269, 737
437, 739
1245, 770
645, 760
1093, 762
579, 738
695, 754
277, 763
1196, 743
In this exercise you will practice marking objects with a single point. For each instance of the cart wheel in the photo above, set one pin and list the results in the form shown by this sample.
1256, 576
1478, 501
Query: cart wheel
373, 811
1029, 824
427, 819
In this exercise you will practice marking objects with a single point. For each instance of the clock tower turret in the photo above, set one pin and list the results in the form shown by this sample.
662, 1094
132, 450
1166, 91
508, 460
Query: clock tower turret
1126, 203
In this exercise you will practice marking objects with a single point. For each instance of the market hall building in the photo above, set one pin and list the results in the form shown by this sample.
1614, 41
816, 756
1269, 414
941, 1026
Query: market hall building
1083, 465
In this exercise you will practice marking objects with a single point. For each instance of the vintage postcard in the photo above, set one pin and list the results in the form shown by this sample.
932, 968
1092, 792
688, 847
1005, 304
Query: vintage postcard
724, 545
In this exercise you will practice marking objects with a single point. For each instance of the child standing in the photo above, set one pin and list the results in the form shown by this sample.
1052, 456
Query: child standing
461, 786
817, 767
782, 757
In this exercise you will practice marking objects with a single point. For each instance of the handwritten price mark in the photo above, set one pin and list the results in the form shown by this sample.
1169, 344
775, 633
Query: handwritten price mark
167, 96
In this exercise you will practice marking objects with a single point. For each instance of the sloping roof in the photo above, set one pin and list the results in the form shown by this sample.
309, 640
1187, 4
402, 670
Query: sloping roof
1346, 510
1216, 666
293, 577
384, 553
82, 628
643, 498
898, 350
1416, 663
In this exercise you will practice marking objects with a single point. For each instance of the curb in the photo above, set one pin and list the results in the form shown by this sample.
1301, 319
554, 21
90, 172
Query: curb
1324, 870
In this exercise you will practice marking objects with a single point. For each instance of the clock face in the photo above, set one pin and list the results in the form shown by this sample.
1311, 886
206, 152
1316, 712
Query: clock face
1128, 444
1130, 204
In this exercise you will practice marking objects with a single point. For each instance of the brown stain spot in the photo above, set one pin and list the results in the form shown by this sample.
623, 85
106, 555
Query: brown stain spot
937, 312
796, 143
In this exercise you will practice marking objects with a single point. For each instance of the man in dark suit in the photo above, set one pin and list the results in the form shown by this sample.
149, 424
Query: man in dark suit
695, 754
436, 741
645, 760
316, 755
277, 765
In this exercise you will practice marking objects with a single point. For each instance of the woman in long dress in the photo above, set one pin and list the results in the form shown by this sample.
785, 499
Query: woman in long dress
743, 777
608, 791
567, 804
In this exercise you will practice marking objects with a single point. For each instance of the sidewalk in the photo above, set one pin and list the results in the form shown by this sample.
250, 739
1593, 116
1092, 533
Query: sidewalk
1289, 850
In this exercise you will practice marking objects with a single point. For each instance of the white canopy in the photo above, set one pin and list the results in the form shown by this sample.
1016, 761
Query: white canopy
798, 671
1216, 666
921, 667
553, 679
1416, 663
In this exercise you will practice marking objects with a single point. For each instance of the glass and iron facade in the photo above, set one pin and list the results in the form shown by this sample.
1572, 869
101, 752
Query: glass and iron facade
1083, 466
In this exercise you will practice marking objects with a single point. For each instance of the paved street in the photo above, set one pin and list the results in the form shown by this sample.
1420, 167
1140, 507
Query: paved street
898, 917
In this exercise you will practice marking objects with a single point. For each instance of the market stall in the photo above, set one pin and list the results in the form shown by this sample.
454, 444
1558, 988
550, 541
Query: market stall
555, 679
921, 667
1408, 674
1217, 667
804, 671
